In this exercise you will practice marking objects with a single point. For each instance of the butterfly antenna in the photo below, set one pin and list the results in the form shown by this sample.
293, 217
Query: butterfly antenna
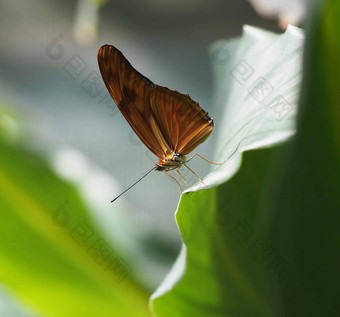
146, 174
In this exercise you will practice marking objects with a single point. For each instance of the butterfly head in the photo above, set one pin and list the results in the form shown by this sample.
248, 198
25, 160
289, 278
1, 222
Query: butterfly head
176, 160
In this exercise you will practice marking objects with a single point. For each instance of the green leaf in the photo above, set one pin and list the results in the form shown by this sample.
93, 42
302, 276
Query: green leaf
53, 259
217, 227
306, 202
230, 264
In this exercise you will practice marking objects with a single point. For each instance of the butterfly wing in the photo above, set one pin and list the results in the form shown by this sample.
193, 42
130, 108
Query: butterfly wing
131, 92
183, 123
164, 120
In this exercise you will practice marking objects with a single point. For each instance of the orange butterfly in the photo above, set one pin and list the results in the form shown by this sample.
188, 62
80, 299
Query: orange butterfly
169, 123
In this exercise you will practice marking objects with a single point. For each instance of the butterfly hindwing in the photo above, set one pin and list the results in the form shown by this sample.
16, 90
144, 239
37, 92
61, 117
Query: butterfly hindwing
183, 122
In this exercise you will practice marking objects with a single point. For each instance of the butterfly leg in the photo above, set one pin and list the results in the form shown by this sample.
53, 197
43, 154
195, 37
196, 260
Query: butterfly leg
175, 181
203, 158
193, 172
185, 181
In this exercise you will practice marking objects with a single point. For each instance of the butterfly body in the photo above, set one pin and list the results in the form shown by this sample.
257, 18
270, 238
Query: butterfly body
172, 163
169, 123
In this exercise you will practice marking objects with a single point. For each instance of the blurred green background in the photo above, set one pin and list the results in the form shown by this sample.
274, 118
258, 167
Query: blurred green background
66, 151
166, 41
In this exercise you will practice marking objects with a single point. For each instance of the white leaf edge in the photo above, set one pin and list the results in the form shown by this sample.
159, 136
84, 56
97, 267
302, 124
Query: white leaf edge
273, 59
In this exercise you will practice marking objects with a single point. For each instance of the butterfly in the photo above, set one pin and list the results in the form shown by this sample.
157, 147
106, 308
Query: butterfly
169, 123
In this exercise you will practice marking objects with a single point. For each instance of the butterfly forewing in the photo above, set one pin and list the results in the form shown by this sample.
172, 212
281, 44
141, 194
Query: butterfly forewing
130, 91
165, 120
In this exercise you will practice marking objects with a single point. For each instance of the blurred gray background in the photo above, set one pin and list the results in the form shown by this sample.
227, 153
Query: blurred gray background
48, 52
